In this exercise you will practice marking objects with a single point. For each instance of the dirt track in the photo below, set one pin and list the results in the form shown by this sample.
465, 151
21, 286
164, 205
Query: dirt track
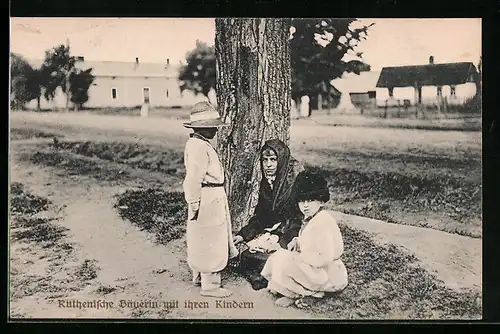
133, 267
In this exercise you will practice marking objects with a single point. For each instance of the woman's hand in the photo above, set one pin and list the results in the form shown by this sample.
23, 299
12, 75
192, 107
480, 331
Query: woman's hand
237, 239
293, 245
193, 210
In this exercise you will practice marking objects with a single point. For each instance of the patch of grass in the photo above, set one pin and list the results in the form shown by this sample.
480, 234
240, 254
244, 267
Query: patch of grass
134, 155
23, 203
104, 290
384, 279
155, 211
386, 282
76, 166
29, 285
45, 232
87, 270
25, 133
27, 222
393, 195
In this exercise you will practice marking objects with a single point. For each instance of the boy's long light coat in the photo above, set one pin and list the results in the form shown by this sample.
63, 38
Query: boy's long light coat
209, 237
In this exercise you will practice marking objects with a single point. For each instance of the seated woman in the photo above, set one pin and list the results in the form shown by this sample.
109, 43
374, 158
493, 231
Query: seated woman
311, 265
276, 212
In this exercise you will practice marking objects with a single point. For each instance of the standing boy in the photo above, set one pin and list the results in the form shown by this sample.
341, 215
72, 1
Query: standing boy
209, 234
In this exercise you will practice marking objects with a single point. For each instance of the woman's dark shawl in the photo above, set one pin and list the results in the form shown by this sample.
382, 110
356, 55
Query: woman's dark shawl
277, 204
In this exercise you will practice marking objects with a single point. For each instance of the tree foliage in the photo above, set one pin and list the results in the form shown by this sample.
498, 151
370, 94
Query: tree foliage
60, 71
198, 75
25, 81
80, 82
318, 47
57, 67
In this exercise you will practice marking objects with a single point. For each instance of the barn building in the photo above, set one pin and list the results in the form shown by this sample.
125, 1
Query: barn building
361, 88
128, 85
427, 84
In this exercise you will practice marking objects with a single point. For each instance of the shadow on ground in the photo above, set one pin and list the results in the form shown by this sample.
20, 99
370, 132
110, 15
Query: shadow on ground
385, 281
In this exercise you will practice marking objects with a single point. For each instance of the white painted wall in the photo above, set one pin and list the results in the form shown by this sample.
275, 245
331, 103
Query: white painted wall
129, 93
463, 93
405, 93
429, 95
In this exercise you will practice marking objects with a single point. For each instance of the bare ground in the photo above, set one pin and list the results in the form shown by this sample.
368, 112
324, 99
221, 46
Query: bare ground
136, 266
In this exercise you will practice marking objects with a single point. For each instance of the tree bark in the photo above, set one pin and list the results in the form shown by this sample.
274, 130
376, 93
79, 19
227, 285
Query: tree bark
253, 96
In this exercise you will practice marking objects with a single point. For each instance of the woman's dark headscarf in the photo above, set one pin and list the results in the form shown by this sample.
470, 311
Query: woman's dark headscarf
282, 188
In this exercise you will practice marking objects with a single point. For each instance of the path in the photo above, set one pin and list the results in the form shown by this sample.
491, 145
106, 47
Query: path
129, 260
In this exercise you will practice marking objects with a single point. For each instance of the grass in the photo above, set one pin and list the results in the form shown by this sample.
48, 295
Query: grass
43, 237
427, 121
155, 211
87, 271
135, 155
32, 229
25, 203
384, 280
380, 173
45, 232
75, 165
27, 133
172, 112
429, 184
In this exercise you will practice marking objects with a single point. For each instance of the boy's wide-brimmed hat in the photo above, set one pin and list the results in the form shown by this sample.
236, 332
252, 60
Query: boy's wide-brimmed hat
310, 186
204, 115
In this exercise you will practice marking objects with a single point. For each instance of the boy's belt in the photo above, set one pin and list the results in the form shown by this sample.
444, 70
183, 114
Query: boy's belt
211, 185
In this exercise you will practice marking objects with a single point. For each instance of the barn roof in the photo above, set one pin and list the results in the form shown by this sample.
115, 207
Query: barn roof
427, 75
125, 69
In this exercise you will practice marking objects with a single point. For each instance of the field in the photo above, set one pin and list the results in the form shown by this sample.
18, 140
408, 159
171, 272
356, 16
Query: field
115, 181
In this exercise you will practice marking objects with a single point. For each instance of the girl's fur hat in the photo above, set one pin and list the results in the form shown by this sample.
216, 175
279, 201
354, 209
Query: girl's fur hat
310, 186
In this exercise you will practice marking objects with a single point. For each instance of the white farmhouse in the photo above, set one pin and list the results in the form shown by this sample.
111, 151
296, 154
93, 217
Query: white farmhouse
128, 85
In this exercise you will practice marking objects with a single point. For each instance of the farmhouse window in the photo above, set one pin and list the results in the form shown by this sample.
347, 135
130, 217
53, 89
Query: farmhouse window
166, 93
391, 91
439, 91
452, 91
372, 94
146, 96
113, 93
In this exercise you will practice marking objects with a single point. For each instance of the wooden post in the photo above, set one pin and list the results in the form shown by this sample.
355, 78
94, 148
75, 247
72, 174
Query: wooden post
320, 102
416, 99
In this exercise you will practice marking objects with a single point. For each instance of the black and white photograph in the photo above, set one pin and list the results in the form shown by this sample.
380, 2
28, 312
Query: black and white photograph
245, 168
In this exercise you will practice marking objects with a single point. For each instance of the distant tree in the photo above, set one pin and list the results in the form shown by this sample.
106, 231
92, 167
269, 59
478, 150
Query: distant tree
60, 71
57, 67
80, 82
317, 47
198, 75
25, 82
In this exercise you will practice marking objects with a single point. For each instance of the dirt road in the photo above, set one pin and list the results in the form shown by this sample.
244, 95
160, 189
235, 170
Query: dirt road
130, 266
130, 263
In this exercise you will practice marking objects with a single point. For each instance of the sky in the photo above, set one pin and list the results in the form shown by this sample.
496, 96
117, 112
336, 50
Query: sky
390, 42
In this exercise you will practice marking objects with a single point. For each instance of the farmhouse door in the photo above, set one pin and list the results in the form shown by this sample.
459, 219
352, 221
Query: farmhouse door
146, 94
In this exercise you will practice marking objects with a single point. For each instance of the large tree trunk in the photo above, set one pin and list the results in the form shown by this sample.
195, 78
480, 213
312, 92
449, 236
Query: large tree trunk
253, 95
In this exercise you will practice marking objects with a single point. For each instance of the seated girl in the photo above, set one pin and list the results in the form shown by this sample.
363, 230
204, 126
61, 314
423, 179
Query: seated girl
311, 264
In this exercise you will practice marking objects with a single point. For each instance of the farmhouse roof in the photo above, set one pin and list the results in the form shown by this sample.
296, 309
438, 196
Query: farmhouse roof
427, 75
354, 83
125, 69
